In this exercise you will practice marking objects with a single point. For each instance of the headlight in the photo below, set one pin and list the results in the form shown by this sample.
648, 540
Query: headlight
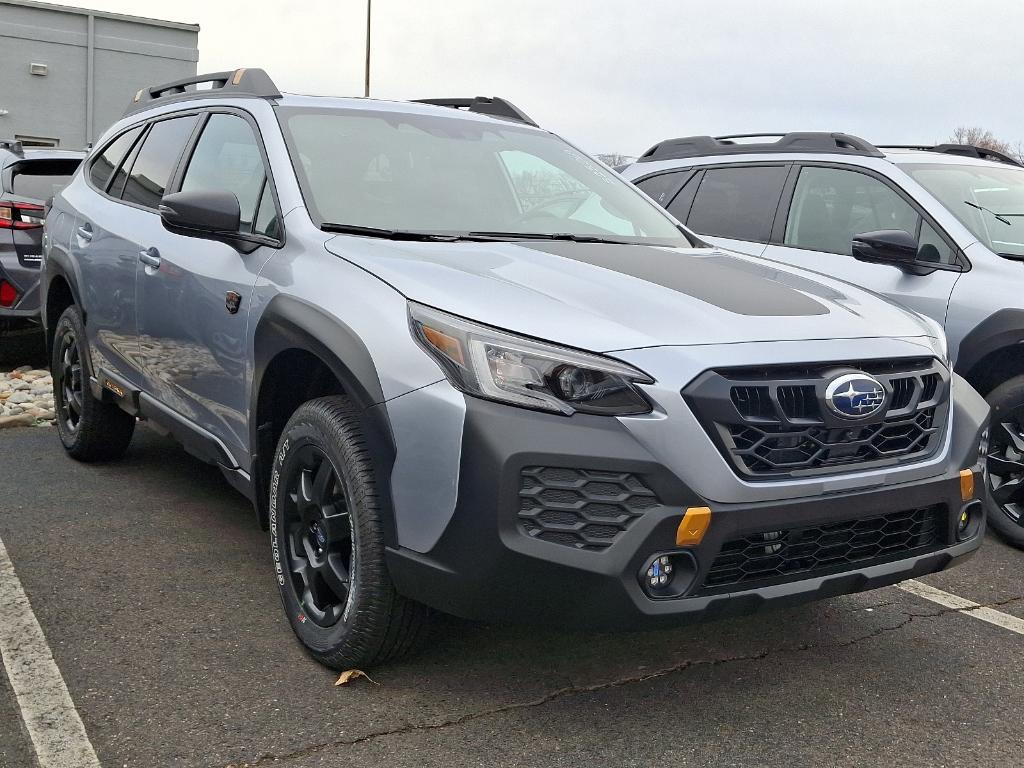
501, 366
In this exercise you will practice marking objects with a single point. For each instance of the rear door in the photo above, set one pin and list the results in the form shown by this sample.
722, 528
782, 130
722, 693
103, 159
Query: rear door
193, 293
823, 208
114, 221
731, 206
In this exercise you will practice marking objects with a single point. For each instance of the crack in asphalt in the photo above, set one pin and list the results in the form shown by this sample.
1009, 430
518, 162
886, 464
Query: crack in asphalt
574, 690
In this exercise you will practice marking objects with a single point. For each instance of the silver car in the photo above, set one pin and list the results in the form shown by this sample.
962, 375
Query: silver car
940, 229
459, 365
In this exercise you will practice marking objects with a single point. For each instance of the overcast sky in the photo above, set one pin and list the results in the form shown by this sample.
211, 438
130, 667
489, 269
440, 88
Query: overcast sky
619, 76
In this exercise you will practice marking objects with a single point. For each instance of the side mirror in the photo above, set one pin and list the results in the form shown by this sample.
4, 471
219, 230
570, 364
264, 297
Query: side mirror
211, 213
889, 246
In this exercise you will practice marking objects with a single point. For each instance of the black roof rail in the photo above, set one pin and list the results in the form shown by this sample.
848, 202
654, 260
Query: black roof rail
484, 105
964, 150
238, 82
806, 141
12, 145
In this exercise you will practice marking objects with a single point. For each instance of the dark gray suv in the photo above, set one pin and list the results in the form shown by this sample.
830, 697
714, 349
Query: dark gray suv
28, 179
457, 363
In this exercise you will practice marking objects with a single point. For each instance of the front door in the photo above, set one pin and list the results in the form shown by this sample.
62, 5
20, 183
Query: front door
830, 205
193, 293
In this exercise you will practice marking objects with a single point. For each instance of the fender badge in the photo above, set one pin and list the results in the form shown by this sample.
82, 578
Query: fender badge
113, 387
232, 300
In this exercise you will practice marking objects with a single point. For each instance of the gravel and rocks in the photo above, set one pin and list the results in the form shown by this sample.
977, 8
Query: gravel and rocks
26, 398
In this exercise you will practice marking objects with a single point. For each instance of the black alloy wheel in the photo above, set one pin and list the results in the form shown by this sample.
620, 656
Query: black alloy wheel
71, 401
319, 552
1005, 463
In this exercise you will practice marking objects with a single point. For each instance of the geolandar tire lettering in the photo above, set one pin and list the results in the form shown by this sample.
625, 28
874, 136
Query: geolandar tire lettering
327, 542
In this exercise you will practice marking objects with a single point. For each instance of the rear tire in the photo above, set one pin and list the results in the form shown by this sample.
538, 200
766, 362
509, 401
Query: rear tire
90, 429
328, 543
1005, 462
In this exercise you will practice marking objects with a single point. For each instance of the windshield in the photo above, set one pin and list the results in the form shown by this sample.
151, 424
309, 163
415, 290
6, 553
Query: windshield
439, 174
988, 200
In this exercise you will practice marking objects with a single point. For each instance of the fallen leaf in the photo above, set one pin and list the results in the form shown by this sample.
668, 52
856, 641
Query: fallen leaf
349, 675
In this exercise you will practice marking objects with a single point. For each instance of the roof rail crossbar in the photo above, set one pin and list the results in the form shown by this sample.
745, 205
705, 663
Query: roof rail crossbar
238, 82
964, 150
12, 145
807, 141
492, 106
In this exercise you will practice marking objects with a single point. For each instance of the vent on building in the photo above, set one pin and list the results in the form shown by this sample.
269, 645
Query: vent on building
36, 68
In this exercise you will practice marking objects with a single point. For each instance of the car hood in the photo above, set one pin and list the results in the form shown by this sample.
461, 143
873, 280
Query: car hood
607, 297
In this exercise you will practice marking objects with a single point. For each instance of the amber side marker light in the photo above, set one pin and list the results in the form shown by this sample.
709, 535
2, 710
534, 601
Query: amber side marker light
966, 484
693, 526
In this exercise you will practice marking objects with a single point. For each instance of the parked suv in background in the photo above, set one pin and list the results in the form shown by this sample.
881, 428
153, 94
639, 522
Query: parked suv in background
28, 179
457, 363
939, 229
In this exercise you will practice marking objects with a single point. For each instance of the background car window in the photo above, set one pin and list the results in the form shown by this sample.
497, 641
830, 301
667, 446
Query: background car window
152, 169
830, 206
660, 188
227, 156
682, 202
738, 203
103, 166
41, 179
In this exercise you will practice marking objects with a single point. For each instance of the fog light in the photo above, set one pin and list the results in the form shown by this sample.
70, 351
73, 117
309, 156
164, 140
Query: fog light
970, 520
668, 575
659, 572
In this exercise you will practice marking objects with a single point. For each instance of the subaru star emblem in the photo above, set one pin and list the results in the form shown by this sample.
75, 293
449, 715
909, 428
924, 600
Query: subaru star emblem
855, 396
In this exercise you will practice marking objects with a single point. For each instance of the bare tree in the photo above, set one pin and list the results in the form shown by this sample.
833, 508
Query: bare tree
982, 137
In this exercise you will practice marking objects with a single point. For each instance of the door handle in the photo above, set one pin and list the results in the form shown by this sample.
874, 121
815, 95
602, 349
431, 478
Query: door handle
150, 257
85, 232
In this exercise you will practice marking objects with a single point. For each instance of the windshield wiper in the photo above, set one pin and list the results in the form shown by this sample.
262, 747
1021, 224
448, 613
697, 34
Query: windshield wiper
999, 216
389, 234
548, 236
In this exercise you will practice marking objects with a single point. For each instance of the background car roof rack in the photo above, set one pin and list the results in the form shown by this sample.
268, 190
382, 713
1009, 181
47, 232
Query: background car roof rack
964, 150
801, 141
238, 82
492, 106
12, 145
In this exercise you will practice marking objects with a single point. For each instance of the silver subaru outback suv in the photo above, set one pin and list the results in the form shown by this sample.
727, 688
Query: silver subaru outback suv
939, 229
457, 364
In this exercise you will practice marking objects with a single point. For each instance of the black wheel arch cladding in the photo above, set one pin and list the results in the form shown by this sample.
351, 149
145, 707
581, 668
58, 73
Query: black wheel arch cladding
291, 324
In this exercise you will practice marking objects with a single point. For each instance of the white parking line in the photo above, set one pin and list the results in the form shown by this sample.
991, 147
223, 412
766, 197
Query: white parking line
966, 607
50, 717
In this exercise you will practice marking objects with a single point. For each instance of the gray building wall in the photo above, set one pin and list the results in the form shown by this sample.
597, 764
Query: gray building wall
95, 64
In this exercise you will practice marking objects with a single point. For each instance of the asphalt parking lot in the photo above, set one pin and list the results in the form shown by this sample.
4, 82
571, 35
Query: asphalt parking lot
153, 587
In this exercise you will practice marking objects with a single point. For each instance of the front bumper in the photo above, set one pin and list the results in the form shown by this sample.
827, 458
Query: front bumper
486, 566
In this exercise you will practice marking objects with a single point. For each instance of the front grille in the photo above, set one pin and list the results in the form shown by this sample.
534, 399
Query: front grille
773, 422
580, 508
775, 557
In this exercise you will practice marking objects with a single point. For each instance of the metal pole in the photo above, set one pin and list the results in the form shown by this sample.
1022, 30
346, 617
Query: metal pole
366, 90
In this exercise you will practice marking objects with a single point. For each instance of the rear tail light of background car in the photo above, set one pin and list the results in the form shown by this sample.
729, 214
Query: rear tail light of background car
8, 294
20, 215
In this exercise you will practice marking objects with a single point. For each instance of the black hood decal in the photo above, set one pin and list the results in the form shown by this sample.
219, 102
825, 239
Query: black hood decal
728, 282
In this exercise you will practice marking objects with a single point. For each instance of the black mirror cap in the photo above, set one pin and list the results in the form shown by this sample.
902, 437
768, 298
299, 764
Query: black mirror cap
201, 212
886, 246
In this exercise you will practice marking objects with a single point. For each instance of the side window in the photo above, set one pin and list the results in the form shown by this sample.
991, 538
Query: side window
227, 156
931, 247
683, 201
103, 166
155, 162
660, 188
831, 205
267, 222
738, 203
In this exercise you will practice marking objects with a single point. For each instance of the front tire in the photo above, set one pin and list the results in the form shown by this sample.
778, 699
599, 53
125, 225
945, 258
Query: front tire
328, 544
90, 429
1005, 462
